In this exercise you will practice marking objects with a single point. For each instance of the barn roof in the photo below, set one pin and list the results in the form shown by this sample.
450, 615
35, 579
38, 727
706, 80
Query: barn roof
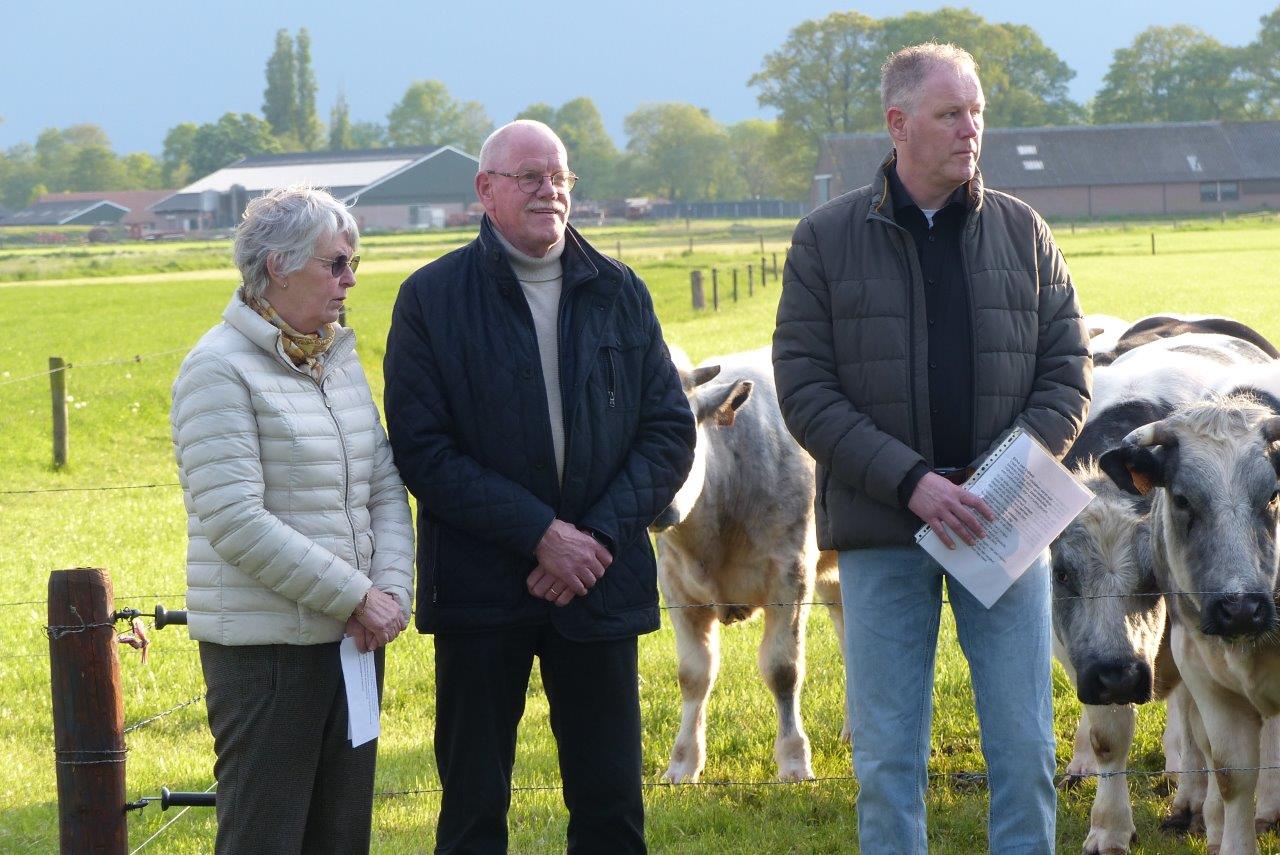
63, 212
342, 173
135, 201
1089, 155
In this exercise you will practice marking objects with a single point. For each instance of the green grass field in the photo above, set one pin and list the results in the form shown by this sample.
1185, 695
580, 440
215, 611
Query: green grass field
120, 436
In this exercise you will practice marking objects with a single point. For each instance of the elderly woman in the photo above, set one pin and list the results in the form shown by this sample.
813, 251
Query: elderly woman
299, 532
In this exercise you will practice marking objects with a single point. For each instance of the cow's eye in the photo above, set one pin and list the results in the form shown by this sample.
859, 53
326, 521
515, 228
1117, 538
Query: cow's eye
1180, 502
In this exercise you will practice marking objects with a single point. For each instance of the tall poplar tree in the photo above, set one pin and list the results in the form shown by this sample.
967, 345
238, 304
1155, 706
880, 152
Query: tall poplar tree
279, 101
306, 125
340, 124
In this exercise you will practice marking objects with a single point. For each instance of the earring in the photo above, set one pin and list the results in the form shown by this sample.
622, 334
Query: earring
284, 283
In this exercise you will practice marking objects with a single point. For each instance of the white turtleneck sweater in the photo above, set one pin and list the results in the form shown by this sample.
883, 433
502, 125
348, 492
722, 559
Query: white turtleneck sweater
541, 280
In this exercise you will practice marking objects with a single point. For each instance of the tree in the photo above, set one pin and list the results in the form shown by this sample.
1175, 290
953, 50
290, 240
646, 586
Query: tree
592, 153
141, 172
539, 112
306, 124
680, 152
175, 161
429, 115
1177, 73
94, 167
1261, 61
1024, 81
279, 100
340, 125
751, 147
368, 135
233, 136
826, 76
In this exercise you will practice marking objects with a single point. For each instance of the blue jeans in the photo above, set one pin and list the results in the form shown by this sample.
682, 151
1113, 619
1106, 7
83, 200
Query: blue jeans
892, 604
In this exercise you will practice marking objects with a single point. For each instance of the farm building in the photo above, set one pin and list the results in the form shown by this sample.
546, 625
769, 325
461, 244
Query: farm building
94, 211
139, 219
386, 188
1099, 170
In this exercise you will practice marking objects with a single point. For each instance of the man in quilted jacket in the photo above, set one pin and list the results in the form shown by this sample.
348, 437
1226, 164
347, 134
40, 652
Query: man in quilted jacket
536, 416
922, 318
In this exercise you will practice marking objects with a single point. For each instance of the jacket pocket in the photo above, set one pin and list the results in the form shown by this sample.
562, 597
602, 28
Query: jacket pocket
619, 373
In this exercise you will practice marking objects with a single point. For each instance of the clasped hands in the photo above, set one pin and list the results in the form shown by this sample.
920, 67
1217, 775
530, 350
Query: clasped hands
949, 510
377, 622
570, 561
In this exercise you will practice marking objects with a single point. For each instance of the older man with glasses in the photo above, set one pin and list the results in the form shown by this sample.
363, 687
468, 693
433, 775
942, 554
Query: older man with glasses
536, 416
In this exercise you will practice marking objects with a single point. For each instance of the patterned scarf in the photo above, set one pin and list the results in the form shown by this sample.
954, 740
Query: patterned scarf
302, 348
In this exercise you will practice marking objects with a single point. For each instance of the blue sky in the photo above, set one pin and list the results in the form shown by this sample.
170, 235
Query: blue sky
139, 69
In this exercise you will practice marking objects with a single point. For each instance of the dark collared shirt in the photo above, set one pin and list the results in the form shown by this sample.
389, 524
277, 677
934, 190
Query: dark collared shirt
949, 325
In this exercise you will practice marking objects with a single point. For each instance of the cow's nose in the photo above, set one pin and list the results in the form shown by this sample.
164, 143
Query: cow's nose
1122, 681
1239, 614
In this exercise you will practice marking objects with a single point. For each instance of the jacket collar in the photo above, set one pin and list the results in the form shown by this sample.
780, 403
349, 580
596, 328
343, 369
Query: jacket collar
882, 200
254, 327
580, 262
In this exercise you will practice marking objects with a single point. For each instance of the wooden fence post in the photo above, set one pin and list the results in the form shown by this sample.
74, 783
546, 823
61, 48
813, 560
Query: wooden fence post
775, 267
1153, 243
735, 284
695, 285
690, 244
762, 270
88, 712
715, 289
750, 281
58, 390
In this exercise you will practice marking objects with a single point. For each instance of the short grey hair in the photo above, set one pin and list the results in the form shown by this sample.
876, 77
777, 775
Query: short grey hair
495, 145
286, 224
903, 74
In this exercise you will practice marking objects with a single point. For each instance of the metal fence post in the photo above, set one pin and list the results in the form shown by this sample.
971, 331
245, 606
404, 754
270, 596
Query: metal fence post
58, 391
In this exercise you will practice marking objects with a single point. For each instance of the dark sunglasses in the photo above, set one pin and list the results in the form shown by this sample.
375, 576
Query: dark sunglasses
339, 264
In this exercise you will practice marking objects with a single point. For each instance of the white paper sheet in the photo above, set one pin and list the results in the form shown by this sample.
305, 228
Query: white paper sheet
1033, 497
361, 678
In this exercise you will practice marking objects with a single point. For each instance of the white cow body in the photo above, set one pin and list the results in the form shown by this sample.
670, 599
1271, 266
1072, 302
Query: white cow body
740, 535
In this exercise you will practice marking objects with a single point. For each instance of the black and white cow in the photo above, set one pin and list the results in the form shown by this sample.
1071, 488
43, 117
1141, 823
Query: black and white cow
1211, 470
740, 533
1109, 620
1160, 327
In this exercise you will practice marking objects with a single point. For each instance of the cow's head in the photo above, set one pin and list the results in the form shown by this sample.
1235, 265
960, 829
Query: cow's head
1108, 618
1211, 469
714, 407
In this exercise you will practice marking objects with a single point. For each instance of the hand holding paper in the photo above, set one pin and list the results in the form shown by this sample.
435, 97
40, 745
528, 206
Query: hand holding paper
1033, 498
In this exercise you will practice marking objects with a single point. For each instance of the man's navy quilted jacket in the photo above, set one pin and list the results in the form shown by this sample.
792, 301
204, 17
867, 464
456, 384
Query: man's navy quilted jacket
467, 414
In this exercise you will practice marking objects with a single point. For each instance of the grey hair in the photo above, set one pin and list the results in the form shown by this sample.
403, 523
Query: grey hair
286, 224
495, 145
903, 73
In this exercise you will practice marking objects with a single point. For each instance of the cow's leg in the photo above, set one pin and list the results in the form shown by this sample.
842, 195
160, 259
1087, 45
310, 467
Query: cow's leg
1182, 759
782, 665
698, 657
1268, 811
1111, 828
1231, 728
1083, 764
828, 588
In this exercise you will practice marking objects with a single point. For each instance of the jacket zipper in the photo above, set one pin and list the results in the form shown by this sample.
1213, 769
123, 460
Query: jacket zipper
908, 254
973, 347
608, 361
346, 470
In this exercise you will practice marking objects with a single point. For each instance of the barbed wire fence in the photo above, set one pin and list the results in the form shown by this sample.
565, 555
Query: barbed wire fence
975, 777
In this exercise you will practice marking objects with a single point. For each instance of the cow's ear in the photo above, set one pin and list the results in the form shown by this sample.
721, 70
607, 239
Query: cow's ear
695, 378
723, 402
1136, 469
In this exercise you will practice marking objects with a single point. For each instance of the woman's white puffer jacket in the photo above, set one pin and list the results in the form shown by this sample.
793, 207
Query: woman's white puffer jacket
294, 507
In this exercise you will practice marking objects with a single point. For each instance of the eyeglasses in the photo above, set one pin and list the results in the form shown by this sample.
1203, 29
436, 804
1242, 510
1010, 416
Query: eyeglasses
530, 181
339, 264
